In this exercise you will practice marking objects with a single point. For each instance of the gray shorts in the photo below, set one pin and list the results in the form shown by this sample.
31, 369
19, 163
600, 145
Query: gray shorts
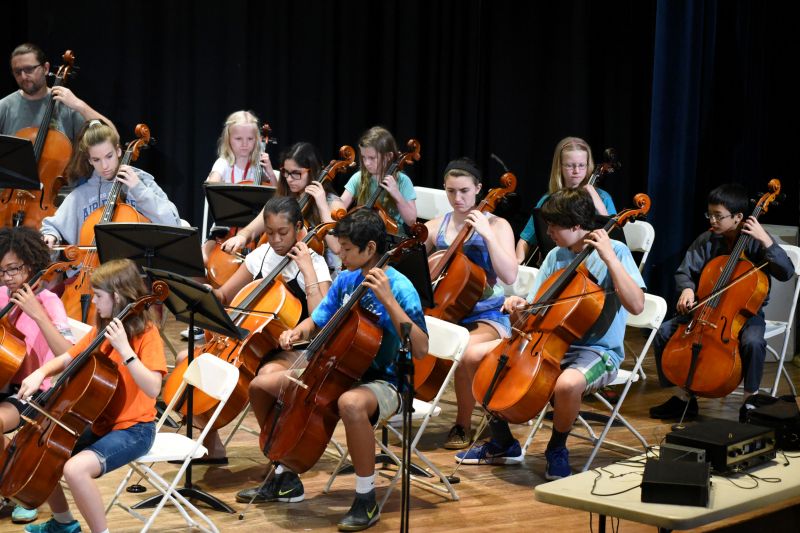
598, 368
388, 399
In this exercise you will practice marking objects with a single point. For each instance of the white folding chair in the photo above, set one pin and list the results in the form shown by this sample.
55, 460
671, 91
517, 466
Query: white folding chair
431, 203
78, 328
217, 379
655, 308
778, 327
446, 341
639, 236
522, 285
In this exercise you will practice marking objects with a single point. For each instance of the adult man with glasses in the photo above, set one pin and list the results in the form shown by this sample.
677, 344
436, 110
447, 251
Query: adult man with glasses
26, 107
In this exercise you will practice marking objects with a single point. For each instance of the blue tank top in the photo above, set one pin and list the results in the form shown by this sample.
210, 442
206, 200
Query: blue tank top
491, 301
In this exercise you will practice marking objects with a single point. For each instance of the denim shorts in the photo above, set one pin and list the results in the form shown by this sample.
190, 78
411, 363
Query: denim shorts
119, 447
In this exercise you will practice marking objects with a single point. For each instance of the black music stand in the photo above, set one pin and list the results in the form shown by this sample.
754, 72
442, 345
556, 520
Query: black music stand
170, 248
18, 168
193, 303
236, 205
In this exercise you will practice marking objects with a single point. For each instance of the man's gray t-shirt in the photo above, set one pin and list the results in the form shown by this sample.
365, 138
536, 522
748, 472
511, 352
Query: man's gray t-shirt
17, 113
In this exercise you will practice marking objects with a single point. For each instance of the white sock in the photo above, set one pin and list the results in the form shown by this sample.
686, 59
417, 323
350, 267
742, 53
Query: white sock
365, 484
682, 394
279, 470
64, 518
105, 531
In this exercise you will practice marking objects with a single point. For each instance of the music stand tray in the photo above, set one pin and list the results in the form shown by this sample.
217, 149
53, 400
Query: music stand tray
236, 205
171, 248
18, 168
193, 303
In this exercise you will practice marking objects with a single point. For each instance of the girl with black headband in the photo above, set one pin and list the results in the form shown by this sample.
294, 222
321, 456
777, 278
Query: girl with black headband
491, 247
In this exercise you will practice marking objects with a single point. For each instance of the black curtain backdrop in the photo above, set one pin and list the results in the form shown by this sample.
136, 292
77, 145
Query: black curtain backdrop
691, 94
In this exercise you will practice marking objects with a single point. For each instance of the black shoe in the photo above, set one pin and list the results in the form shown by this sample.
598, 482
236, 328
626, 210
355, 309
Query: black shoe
744, 410
285, 487
673, 408
362, 514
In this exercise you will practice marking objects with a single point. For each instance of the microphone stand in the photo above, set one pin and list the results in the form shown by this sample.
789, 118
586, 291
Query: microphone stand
405, 368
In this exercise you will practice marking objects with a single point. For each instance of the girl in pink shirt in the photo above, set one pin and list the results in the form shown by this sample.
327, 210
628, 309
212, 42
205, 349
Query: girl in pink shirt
38, 316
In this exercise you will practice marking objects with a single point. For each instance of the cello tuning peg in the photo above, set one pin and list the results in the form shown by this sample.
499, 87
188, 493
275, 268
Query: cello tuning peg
151, 142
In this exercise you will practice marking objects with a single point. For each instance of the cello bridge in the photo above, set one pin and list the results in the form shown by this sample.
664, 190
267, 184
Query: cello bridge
522, 334
707, 323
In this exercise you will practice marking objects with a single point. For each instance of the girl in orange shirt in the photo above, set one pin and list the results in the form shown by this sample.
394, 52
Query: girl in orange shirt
126, 429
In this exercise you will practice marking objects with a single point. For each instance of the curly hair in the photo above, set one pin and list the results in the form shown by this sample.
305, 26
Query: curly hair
27, 245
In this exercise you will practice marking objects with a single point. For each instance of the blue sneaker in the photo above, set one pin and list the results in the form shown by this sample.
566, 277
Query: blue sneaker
491, 453
20, 515
54, 526
557, 463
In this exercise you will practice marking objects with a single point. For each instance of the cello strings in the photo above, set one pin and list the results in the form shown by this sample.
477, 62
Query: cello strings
531, 308
729, 285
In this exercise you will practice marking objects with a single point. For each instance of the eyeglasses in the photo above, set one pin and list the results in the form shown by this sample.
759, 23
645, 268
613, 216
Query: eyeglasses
294, 174
11, 271
574, 166
716, 218
27, 70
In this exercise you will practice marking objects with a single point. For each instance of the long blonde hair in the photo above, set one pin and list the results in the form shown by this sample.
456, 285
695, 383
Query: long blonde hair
239, 118
92, 133
382, 141
121, 277
569, 144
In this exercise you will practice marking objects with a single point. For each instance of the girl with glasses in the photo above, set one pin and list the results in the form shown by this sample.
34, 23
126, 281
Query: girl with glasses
39, 316
571, 168
300, 165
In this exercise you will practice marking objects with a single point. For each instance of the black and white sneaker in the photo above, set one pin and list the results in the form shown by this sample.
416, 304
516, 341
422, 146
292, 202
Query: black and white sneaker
285, 487
362, 514
199, 334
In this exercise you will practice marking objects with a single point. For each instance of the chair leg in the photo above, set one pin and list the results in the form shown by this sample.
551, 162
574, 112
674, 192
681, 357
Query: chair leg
536, 426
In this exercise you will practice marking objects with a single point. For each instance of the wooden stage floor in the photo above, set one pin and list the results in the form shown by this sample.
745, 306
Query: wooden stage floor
491, 498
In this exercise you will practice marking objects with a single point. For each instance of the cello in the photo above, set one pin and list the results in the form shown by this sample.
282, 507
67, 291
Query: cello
397, 164
458, 285
703, 357
78, 291
52, 150
12, 346
31, 465
265, 308
516, 379
221, 265
306, 411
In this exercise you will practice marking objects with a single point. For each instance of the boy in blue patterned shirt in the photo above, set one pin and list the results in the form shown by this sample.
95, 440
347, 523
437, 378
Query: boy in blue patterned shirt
393, 300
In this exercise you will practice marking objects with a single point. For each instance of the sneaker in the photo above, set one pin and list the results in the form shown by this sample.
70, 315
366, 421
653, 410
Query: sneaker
54, 526
199, 334
673, 408
491, 453
557, 463
20, 515
458, 438
362, 514
285, 487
